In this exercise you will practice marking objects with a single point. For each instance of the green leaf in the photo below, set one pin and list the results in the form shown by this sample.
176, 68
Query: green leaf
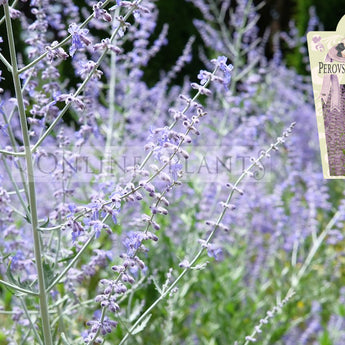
142, 325
10, 275
14, 281
138, 307
156, 284
6, 256
27, 217
325, 339
45, 224
341, 310
67, 258
49, 273
24, 285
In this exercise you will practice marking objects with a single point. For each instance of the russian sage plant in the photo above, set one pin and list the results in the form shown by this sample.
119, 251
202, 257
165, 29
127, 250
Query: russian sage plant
115, 195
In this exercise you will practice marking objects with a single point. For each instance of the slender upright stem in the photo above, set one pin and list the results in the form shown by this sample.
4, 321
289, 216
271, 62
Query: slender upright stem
15, 149
111, 95
237, 46
30, 181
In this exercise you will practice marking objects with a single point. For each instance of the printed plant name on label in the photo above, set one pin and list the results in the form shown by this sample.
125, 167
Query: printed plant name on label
327, 65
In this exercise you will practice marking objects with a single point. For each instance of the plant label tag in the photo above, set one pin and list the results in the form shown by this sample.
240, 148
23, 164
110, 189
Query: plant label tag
327, 65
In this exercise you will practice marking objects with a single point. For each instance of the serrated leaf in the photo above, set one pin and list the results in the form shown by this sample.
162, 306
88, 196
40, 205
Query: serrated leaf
14, 281
142, 325
49, 273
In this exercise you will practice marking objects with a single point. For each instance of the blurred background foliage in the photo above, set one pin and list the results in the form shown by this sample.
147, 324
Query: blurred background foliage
179, 15
276, 14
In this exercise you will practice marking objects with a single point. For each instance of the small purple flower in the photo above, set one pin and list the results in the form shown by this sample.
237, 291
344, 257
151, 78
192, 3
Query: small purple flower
53, 52
184, 264
112, 212
14, 14
95, 207
203, 90
106, 44
77, 229
226, 69
116, 198
203, 76
161, 136
88, 67
215, 252
104, 327
3, 129
69, 98
132, 242
175, 169
73, 208
101, 13
18, 257
79, 39
98, 226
